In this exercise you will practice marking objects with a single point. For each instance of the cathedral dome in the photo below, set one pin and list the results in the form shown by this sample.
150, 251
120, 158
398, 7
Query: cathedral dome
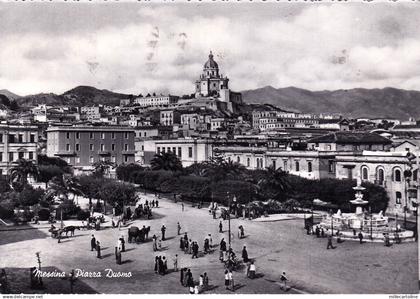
211, 64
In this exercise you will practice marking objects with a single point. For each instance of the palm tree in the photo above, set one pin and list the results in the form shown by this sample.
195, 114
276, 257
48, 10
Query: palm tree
64, 185
166, 161
19, 173
274, 183
102, 167
219, 169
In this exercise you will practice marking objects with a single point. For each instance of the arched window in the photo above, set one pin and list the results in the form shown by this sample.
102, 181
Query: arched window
248, 162
238, 159
365, 173
309, 166
380, 176
397, 175
398, 197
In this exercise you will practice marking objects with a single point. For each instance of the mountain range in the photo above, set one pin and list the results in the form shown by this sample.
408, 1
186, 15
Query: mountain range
357, 102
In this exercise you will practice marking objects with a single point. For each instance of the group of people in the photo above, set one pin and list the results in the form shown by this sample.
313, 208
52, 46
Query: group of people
161, 265
157, 243
187, 280
188, 246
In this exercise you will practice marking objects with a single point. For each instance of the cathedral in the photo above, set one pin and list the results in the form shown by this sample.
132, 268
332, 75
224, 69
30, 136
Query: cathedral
212, 84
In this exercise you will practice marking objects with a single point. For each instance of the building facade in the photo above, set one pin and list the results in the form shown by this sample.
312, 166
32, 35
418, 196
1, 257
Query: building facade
17, 142
81, 146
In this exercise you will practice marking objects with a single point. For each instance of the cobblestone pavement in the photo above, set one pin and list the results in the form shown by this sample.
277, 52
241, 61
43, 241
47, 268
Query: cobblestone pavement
276, 246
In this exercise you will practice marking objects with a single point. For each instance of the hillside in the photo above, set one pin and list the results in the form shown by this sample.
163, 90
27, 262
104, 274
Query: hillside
10, 95
79, 96
358, 102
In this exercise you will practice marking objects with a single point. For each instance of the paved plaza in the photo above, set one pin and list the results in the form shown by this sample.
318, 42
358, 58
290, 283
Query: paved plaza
276, 247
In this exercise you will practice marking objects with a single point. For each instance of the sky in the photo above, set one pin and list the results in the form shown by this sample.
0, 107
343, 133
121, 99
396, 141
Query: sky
141, 48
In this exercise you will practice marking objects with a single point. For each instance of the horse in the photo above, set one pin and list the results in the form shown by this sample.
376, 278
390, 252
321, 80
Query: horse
70, 229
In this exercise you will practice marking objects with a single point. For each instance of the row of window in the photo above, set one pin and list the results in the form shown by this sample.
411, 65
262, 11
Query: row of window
92, 159
92, 135
16, 156
17, 138
174, 151
380, 174
92, 147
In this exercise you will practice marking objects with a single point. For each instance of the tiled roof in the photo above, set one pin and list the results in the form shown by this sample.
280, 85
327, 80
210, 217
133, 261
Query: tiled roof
351, 137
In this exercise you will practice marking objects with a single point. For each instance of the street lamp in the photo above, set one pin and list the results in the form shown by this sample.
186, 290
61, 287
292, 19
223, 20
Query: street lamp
229, 230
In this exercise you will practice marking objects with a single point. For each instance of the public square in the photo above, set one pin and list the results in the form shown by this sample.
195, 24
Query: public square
275, 246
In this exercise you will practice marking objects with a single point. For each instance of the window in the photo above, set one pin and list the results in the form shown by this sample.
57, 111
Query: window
125, 158
365, 175
163, 149
329, 147
91, 160
309, 166
113, 147
285, 165
168, 149
77, 159
68, 147
113, 135
11, 157
126, 135
31, 138
102, 147
68, 160
102, 135
68, 135
91, 147
113, 160
1, 137
330, 166
380, 176
238, 159
274, 164
31, 155
297, 165
145, 134
397, 175
77, 147
126, 147
20, 138
21, 155
158, 150
179, 152
190, 152
248, 162
77, 135
91, 135
1, 157
398, 197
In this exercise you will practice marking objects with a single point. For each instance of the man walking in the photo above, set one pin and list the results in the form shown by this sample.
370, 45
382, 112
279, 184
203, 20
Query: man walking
92, 243
245, 255
176, 263
163, 230
330, 245
179, 228
360, 235
98, 250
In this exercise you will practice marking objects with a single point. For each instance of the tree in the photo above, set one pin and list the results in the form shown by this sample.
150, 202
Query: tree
19, 173
47, 172
54, 161
102, 167
116, 193
166, 161
91, 186
63, 186
125, 171
274, 184
30, 196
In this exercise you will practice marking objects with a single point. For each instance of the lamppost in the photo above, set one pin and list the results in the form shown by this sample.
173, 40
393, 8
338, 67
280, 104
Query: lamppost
230, 204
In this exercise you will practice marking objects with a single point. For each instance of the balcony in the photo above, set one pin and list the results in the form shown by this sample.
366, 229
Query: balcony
128, 152
65, 153
104, 153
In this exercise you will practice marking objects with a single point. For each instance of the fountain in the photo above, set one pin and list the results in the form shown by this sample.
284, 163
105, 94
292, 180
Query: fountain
374, 227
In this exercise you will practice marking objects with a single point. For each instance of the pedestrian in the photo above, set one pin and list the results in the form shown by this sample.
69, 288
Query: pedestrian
231, 282
181, 243
154, 238
122, 244
190, 281
98, 250
165, 265
186, 277
252, 270
118, 256
119, 246
92, 243
157, 203
210, 241
245, 255
179, 228
322, 232
161, 266
283, 280
220, 227
159, 244
201, 283
214, 213
330, 245
190, 247
317, 231
387, 241
182, 205
206, 245
360, 237
206, 280
176, 263
181, 277
242, 232
156, 264
227, 279
195, 250
163, 230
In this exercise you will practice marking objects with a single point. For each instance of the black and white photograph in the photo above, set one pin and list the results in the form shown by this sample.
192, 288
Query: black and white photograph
209, 147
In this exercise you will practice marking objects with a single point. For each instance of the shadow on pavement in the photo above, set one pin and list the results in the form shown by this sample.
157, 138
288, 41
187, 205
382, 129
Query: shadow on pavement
12, 236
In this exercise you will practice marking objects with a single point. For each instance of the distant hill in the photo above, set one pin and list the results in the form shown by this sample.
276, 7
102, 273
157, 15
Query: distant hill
10, 95
358, 102
79, 96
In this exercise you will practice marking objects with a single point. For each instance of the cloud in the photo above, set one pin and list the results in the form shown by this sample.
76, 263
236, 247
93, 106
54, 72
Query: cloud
160, 48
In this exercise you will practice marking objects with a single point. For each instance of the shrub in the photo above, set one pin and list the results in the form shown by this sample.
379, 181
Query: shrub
44, 214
